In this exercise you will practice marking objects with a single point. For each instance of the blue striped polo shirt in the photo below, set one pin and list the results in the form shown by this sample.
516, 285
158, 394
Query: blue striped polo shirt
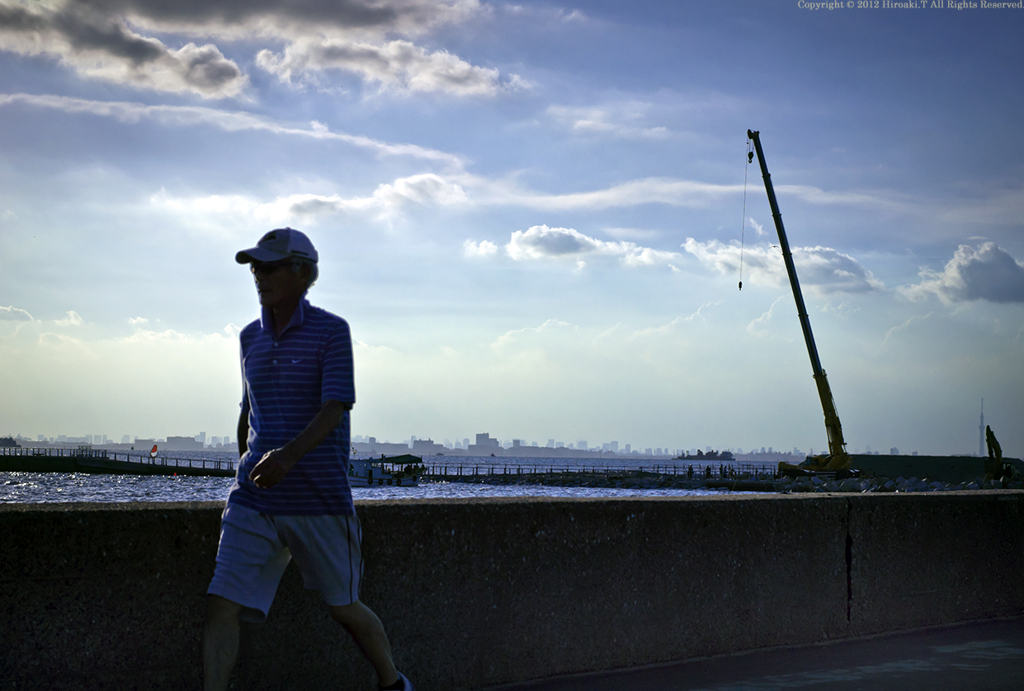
286, 380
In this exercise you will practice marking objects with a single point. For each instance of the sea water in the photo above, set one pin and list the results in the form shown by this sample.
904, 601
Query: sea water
83, 487
35, 488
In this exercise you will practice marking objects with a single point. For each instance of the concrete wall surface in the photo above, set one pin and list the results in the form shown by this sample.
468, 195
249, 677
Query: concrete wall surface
484, 592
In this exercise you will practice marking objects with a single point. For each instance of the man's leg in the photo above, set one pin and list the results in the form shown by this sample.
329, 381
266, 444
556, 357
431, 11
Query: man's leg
220, 642
367, 631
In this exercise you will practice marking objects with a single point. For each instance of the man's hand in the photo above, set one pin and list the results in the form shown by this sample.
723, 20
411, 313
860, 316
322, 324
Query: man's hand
272, 468
275, 464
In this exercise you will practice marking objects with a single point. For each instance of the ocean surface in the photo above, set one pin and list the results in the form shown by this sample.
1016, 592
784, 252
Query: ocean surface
83, 487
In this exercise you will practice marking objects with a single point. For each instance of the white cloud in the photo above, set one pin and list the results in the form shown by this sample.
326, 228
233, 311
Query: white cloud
102, 39
387, 200
14, 314
168, 336
137, 321
686, 193
822, 268
542, 242
484, 248
73, 319
986, 273
62, 342
814, 195
526, 337
621, 120
395, 65
759, 326
229, 121
104, 47
896, 330
164, 380
699, 313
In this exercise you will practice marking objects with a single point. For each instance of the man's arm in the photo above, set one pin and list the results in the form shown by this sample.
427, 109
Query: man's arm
275, 464
243, 428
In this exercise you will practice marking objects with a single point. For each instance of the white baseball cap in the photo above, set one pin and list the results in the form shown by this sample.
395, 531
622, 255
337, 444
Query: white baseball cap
281, 243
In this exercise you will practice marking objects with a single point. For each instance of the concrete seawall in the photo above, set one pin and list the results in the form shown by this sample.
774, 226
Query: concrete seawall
484, 592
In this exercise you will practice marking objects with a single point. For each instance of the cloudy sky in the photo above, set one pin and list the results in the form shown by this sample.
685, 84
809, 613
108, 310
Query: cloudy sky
533, 215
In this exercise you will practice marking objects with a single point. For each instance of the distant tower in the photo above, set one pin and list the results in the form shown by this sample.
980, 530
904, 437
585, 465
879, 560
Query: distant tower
981, 430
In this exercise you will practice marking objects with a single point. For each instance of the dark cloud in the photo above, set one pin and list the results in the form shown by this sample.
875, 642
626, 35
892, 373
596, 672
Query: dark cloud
100, 44
16, 18
987, 273
343, 14
833, 272
111, 37
102, 39
207, 69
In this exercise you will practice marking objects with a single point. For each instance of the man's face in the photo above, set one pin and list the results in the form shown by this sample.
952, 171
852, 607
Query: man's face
278, 284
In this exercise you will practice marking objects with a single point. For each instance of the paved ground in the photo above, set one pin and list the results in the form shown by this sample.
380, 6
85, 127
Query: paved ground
986, 656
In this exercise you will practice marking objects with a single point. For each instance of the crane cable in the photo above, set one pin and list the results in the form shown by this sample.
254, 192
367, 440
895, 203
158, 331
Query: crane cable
743, 225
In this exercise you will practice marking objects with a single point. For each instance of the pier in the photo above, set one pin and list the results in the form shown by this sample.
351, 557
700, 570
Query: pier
103, 461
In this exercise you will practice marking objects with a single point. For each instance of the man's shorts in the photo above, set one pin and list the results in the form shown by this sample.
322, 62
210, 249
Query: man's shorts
255, 548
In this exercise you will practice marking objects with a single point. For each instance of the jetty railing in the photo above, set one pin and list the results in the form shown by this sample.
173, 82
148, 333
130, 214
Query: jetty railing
453, 469
126, 456
695, 470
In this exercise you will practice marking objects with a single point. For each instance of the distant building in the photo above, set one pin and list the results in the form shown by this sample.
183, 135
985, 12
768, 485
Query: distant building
379, 448
485, 445
427, 447
183, 444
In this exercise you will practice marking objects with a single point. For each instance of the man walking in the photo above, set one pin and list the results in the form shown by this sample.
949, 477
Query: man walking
291, 497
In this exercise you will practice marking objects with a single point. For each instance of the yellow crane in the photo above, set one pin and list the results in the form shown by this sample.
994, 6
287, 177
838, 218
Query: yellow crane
837, 459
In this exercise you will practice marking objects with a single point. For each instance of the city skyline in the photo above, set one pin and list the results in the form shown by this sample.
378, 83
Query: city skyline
534, 216
458, 444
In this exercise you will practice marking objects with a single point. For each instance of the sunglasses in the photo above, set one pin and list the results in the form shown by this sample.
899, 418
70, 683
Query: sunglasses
269, 267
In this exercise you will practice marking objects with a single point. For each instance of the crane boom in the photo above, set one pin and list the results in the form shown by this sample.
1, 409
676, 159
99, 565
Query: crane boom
837, 458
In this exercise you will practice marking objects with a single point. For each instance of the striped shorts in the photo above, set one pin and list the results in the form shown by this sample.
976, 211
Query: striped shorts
255, 548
